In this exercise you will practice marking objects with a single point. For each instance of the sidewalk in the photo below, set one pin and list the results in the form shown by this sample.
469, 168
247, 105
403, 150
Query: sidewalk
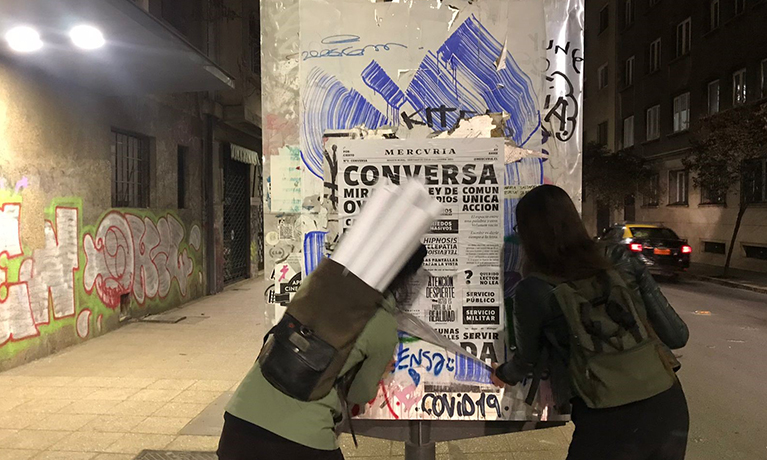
740, 279
162, 386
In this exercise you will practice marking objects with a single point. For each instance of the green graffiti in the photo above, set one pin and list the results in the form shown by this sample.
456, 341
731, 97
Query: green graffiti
75, 286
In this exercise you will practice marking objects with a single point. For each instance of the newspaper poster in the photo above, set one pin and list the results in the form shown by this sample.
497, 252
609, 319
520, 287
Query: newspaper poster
462, 298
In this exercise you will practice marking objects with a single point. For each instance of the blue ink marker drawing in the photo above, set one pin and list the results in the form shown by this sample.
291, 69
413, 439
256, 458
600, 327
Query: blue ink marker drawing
347, 51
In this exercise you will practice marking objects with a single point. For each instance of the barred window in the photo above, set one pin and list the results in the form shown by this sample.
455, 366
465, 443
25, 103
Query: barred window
130, 170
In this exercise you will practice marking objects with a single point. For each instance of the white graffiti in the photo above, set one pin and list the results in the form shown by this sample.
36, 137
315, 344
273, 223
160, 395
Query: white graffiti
10, 241
131, 254
195, 238
51, 270
84, 323
49, 273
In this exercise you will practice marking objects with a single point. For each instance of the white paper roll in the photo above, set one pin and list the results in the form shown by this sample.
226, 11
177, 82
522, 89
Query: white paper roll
385, 268
385, 231
403, 242
383, 198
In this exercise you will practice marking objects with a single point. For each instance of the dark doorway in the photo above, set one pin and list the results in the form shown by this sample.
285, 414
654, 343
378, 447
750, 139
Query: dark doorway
603, 217
629, 209
236, 219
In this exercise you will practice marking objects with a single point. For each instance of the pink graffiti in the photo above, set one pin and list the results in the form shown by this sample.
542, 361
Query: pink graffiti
284, 271
386, 400
22, 184
407, 396
133, 255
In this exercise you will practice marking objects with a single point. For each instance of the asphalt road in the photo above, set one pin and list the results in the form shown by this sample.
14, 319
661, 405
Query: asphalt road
724, 369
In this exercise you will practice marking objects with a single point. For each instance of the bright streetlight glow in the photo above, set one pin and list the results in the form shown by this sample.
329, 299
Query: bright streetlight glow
87, 37
23, 39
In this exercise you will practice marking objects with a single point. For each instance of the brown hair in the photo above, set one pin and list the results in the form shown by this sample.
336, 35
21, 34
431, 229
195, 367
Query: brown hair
553, 236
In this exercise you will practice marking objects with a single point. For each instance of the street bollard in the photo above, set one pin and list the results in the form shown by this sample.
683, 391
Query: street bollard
420, 446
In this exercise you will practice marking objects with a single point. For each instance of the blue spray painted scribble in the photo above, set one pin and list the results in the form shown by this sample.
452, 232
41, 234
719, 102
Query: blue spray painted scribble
328, 104
528, 171
413, 359
464, 71
376, 78
314, 250
471, 370
460, 79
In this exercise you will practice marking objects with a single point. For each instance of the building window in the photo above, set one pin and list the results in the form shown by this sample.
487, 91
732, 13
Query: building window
713, 247
713, 15
602, 133
755, 180
628, 132
763, 76
677, 189
130, 169
682, 112
653, 123
652, 197
181, 176
654, 58
628, 71
603, 76
683, 37
739, 87
604, 19
628, 17
755, 252
713, 97
708, 196
740, 6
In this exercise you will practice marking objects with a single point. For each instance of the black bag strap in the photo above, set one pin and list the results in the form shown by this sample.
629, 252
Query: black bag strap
343, 384
540, 366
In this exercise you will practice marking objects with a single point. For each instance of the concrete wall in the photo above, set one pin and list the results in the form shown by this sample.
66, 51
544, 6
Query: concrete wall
68, 261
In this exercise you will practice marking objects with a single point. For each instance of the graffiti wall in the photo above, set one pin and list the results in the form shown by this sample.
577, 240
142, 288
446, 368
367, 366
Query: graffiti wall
413, 70
84, 276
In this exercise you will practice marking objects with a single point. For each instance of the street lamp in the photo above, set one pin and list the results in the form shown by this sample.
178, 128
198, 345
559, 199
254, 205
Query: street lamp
87, 37
23, 39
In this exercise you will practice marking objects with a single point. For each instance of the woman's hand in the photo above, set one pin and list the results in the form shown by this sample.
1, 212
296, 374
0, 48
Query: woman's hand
496, 381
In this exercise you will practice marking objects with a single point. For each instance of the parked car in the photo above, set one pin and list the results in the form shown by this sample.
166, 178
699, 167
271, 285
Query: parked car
658, 247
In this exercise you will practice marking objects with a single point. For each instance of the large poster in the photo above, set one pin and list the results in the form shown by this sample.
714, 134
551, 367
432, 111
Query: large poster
462, 297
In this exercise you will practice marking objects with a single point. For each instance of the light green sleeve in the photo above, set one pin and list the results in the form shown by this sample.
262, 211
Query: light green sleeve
377, 344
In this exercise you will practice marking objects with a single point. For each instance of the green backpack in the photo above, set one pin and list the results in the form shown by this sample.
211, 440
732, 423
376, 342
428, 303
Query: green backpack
615, 357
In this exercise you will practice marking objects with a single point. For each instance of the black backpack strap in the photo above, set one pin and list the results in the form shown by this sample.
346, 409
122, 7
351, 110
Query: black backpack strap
343, 384
540, 367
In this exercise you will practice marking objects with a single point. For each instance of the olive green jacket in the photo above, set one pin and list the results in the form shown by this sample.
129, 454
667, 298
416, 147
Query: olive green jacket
311, 423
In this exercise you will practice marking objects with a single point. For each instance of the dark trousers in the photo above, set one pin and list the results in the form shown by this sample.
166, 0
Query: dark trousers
653, 429
242, 440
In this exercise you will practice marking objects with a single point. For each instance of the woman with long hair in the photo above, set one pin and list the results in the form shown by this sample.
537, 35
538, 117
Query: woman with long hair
651, 420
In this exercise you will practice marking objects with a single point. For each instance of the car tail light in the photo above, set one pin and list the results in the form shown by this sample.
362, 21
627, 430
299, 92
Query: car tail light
686, 249
635, 247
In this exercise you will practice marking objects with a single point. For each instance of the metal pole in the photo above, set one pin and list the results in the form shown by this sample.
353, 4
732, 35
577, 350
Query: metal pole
420, 446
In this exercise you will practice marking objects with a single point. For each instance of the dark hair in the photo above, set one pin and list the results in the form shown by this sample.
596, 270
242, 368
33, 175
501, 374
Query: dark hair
553, 236
411, 267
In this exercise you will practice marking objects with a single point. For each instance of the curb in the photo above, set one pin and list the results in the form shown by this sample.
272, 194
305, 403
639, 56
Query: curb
728, 283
